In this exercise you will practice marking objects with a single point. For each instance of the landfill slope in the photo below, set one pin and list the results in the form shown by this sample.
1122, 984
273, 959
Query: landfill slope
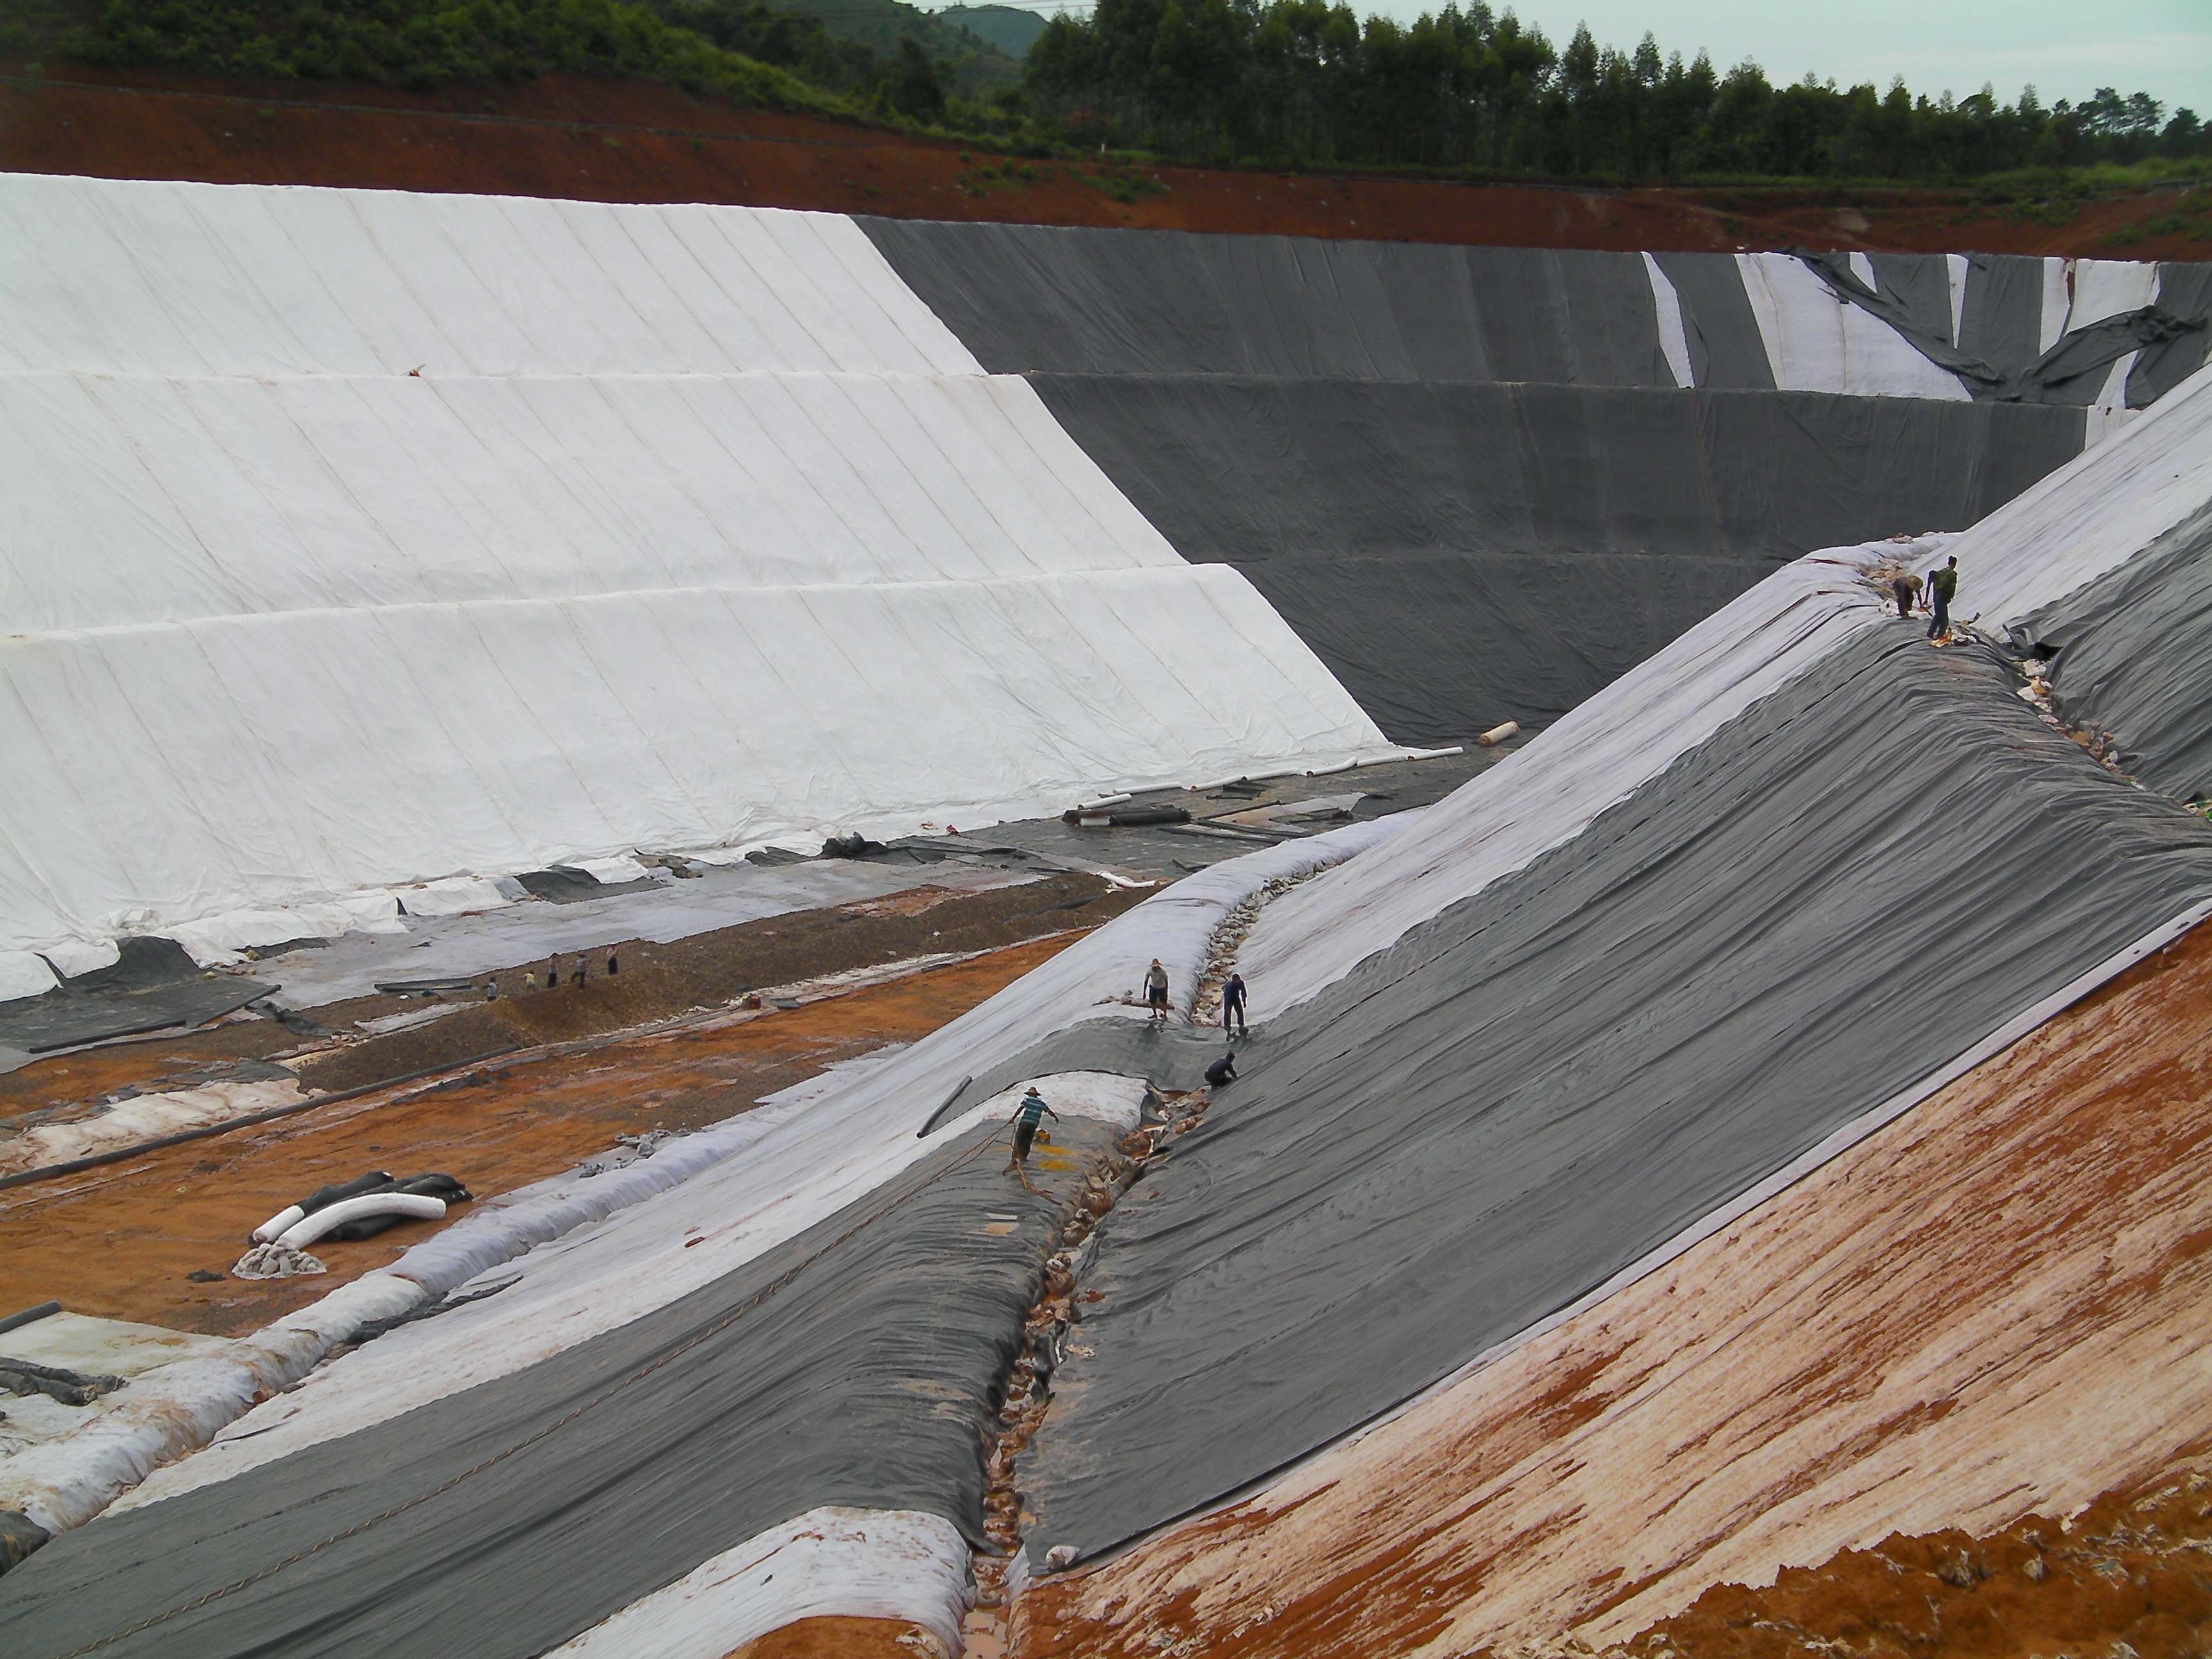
1960, 1321
1484, 482
1819, 907
358, 538
855, 1366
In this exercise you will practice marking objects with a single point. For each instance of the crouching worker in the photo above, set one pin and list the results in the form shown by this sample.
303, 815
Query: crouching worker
1028, 1115
1223, 1071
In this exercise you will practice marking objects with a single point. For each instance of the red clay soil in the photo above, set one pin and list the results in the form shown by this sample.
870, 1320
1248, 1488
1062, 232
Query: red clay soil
2130, 1574
1991, 1310
639, 142
842, 1638
122, 1241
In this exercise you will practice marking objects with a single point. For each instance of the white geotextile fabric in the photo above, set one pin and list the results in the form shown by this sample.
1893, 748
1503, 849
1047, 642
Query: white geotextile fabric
696, 529
2093, 514
847, 1563
1546, 793
1817, 342
135, 500
1674, 338
159, 278
22, 974
141, 1118
751, 1182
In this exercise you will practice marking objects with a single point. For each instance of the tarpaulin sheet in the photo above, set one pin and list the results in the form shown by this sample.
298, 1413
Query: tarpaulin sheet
1462, 555
2183, 290
599, 1476
2150, 320
151, 985
1858, 879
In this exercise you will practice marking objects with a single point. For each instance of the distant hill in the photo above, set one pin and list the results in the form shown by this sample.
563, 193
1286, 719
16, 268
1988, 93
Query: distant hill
977, 63
1010, 29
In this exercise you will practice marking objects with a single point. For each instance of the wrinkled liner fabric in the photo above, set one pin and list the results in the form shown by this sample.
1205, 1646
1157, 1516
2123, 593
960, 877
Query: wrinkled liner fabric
897, 1564
857, 1365
1853, 883
1462, 555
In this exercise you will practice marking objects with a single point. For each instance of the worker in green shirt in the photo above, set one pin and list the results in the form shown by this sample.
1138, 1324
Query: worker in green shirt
1942, 588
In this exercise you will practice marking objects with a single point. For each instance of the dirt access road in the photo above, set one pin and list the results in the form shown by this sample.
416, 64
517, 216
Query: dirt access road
619, 140
122, 1241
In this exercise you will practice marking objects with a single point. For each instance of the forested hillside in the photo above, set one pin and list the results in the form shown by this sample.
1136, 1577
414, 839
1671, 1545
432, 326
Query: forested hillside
1301, 81
1267, 82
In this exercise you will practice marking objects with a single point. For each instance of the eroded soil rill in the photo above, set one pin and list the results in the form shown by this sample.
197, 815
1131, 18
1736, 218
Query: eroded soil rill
616, 141
122, 1241
1989, 1310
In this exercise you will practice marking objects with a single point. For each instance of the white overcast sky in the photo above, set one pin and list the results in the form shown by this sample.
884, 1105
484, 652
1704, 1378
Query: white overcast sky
2067, 48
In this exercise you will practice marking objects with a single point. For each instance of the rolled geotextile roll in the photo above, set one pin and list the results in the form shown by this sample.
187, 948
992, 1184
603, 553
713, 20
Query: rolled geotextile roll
1497, 734
412, 1206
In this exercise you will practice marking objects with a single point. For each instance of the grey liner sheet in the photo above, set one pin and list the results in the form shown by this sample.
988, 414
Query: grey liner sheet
868, 1382
1843, 889
2132, 650
1031, 297
1462, 555
1466, 476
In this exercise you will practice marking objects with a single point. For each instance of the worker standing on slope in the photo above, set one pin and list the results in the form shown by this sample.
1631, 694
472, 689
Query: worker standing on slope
1942, 588
1156, 990
1232, 1004
1028, 1115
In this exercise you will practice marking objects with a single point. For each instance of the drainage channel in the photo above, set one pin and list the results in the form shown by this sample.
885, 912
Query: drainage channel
1048, 1338
1048, 1329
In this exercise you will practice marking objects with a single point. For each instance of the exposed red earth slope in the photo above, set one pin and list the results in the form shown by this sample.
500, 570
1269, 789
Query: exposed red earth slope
640, 142
1994, 1309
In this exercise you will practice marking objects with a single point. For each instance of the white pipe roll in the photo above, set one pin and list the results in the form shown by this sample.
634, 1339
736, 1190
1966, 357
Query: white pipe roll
276, 1227
413, 1206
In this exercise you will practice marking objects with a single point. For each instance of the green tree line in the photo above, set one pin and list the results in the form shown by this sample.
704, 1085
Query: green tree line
1273, 81
738, 49
1304, 81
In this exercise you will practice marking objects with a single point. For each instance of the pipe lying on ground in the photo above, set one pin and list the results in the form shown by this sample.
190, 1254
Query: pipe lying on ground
16, 1321
412, 1206
1497, 734
322, 1198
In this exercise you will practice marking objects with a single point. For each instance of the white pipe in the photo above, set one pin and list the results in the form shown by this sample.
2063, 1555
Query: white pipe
331, 1217
278, 1224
